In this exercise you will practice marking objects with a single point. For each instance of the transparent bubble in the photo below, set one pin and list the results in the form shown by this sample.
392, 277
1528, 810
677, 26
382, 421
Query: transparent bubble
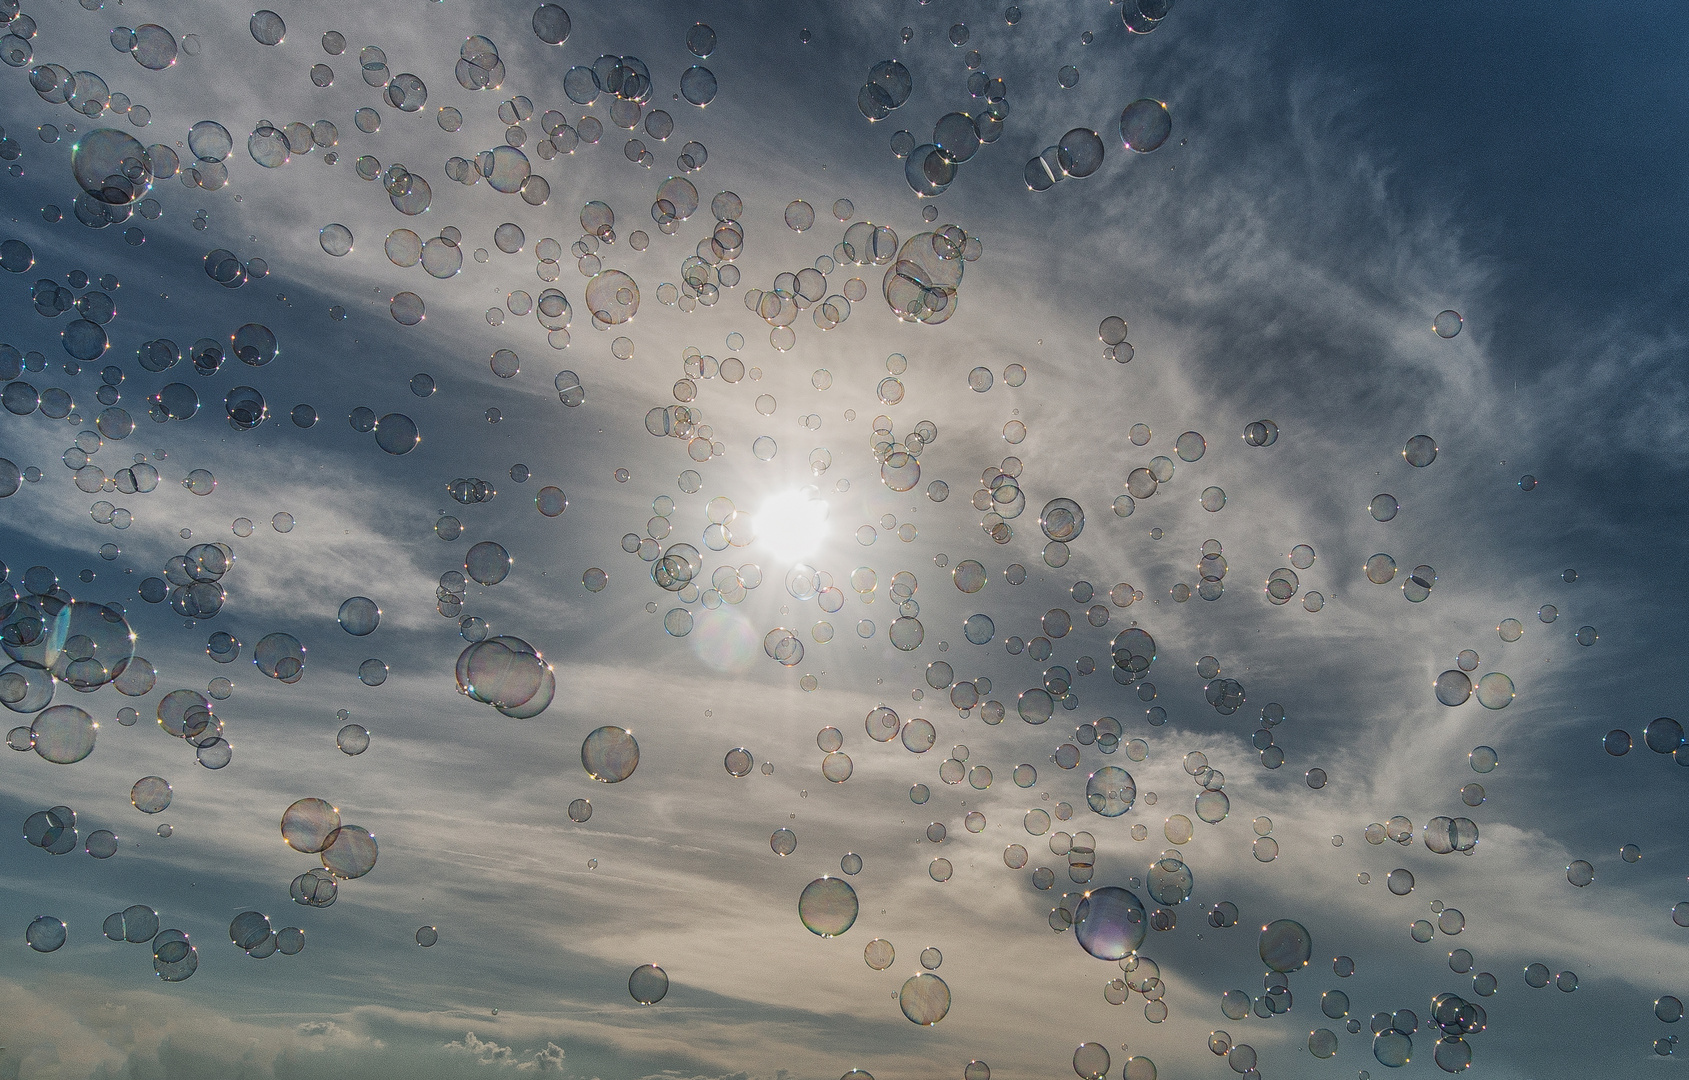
828, 906
1145, 125
1421, 450
925, 999
879, 954
308, 825
353, 739
1285, 945
610, 754
648, 984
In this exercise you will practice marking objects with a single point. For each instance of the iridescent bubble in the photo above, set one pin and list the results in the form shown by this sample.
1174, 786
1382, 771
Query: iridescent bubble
487, 562
1453, 687
351, 852
552, 24
63, 734
610, 754
1169, 881
1495, 691
1392, 1048
1091, 1061
698, 85
1110, 791
828, 906
925, 999
267, 28
45, 934
1663, 735
1421, 450
648, 984
1145, 125
1062, 520
1110, 923
1285, 945
879, 954
359, 616
1080, 151
308, 824
151, 794
352, 740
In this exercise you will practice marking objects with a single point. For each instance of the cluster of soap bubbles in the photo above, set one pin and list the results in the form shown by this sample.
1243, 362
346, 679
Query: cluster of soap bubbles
190, 716
508, 674
192, 581
1078, 154
478, 64
83, 644
273, 146
999, 500
806, 289
111, 167
712, 265
54, 831
230, 271
931, 167
84, 339
251, 933
174, 957
1133, 651
313, 826
888, 87
921, 284
469, 490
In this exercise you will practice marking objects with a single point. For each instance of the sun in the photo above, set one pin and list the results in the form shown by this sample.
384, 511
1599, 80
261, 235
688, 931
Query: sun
792, 524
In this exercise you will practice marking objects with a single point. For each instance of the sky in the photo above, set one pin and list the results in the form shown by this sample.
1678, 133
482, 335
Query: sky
1335, 178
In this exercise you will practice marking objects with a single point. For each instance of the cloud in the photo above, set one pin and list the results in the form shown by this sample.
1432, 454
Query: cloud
326, 1033
488, 1052
548, 1060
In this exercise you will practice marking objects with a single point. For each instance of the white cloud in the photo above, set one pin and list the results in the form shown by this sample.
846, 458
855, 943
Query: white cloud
488, 1052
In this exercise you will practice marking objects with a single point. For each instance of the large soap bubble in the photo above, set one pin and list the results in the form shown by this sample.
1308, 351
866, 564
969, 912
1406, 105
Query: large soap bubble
1145, 125
1109, 923
920, 286
610, 755
1110, 791
86, 645
1286, 945
112, 166
828, 906
925, 999
63, 734
507, 673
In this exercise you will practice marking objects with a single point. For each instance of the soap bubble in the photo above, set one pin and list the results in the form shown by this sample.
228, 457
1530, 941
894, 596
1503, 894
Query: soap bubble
1145, 125
648, 984
610, 754
1285, 945
925, 999
828, 906
1110, 923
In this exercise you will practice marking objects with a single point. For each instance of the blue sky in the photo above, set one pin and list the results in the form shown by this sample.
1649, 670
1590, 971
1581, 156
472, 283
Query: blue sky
1335, 178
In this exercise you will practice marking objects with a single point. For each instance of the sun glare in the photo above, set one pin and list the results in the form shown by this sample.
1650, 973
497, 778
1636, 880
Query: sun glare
792, 524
